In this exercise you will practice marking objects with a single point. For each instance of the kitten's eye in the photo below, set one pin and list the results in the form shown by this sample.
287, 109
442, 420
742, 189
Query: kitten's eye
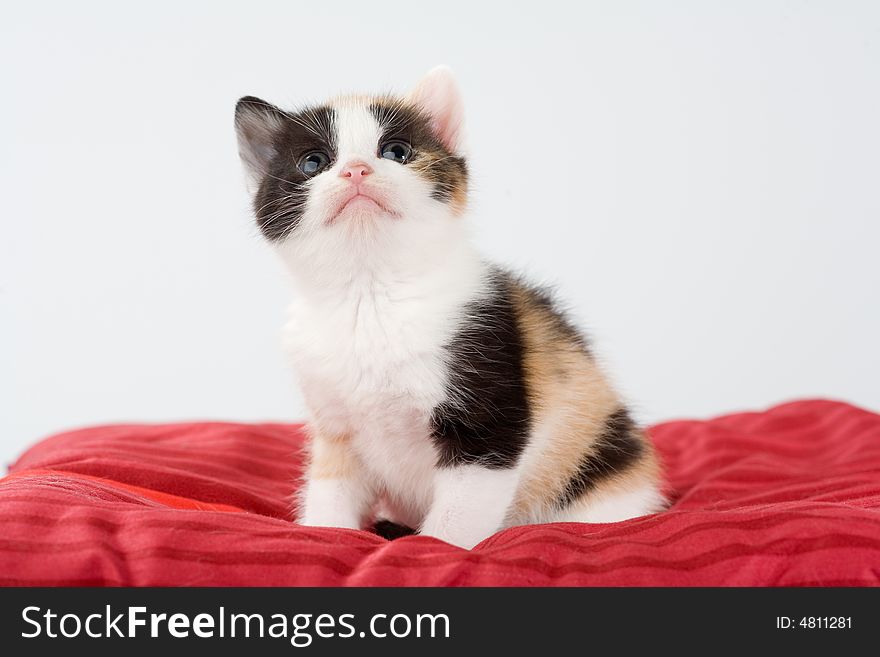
313, 163
399, 151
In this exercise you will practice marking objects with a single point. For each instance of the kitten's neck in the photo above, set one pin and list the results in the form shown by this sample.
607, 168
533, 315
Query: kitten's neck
439, 274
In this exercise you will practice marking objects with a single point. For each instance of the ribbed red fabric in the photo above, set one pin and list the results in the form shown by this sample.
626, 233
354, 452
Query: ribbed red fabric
786, 497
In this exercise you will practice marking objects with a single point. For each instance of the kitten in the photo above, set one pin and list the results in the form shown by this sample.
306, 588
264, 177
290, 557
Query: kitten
442, 390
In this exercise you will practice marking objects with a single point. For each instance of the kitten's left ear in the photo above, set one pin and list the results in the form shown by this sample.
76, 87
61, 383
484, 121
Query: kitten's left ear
438, 96
257, 124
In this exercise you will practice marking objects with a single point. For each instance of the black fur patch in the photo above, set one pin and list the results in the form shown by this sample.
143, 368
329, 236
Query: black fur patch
486, 419
446, 171
281, 198
391, 530
617, 448
543, 299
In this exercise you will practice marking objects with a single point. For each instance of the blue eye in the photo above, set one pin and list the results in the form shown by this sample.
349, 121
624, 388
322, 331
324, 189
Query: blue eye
399, 151
313, 163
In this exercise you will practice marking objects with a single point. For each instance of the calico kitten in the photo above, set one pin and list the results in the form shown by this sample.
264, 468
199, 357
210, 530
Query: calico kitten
445, 393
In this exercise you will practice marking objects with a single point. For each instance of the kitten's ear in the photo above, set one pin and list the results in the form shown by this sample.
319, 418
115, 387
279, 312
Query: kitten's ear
256, 123
437, 95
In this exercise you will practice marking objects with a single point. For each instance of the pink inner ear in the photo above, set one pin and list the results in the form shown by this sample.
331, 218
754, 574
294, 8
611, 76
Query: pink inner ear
448, 131
438, 95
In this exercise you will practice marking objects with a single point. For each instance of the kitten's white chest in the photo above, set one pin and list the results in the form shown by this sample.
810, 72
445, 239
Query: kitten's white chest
373, 367
366, 352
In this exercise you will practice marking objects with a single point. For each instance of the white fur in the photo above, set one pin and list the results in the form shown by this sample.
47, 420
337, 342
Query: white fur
470, 503
334, 503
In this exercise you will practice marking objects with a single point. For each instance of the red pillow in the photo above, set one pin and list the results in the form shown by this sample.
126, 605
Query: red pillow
789, 496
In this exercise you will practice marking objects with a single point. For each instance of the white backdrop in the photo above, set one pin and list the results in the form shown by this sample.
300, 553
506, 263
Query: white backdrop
701, 179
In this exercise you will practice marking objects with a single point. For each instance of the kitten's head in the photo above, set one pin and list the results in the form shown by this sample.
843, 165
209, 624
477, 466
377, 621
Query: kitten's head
358, 166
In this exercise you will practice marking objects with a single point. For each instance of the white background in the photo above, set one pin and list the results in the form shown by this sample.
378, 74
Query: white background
699, 178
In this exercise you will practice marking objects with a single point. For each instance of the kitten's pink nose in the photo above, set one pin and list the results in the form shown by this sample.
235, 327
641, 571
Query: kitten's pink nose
356, 171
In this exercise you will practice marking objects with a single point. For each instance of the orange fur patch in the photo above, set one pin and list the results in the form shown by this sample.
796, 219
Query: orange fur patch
571, 401
331, 457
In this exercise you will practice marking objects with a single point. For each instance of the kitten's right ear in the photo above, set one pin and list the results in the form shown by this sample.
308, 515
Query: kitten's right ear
257, 123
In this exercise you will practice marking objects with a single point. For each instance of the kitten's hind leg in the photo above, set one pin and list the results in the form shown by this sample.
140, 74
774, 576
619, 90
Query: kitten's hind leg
470, 503
615, 505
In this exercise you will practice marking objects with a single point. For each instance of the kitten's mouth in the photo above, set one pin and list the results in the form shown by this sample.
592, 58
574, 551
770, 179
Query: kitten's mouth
362, 200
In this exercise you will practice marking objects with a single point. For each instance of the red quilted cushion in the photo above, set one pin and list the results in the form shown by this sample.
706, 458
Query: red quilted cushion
790, 496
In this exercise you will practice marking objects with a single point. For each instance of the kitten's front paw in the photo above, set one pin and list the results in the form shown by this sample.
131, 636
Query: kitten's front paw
331, 503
